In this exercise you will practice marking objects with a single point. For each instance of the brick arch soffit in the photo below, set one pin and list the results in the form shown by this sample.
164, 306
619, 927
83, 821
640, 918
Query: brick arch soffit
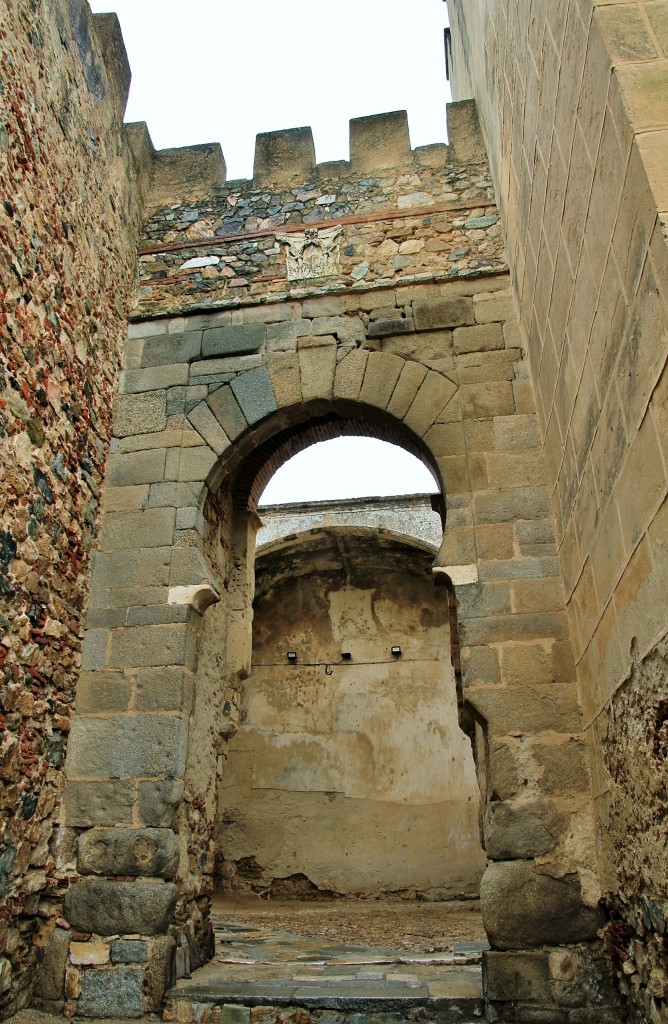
262, 449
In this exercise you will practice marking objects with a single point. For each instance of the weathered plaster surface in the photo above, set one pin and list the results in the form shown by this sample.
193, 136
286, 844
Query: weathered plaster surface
353, 774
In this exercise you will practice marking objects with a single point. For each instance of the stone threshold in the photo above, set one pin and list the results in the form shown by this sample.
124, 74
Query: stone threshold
266, 976
225, 1004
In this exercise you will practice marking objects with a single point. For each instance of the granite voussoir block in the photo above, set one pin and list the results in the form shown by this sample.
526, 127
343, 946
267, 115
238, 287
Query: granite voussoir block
227, 411
254, 393
208, 427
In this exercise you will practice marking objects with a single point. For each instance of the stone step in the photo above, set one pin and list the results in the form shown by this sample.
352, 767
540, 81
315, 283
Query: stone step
262, 975
447, 995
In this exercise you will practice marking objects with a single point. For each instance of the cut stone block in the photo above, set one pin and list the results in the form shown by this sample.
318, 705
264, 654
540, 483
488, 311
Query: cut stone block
350, 374
129, 951
106, 907
408, 385
381, 140
150, 528
384, 328
513, 833
140, 414
481, 338
138, 646
226, 409
284, 155
158, 801
98, 803
111, 993
208, 427
516, 976
432, 314
154, 378
231, 341
172, 348
116, 851
127, 747
254, 394
521, 907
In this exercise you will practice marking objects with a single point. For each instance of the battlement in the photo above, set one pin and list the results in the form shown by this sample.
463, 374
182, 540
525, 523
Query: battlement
380, 142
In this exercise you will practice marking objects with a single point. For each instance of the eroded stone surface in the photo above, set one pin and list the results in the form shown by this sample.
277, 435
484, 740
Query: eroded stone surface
522, 907
110, 908
148, 851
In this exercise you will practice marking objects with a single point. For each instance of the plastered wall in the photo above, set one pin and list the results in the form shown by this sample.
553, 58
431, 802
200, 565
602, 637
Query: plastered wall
573, 98
350, 777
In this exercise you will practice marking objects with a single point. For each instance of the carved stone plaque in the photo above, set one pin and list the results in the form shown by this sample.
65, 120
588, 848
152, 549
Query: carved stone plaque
311, 253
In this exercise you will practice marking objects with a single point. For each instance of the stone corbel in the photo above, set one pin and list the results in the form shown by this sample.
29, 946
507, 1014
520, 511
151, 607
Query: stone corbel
459, 575
199, 596
189, 564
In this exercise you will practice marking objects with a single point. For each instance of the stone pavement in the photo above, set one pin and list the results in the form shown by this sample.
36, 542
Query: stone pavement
262, 976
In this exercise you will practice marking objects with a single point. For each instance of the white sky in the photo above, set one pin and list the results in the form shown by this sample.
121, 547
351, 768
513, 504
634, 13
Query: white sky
348, 467
217, 71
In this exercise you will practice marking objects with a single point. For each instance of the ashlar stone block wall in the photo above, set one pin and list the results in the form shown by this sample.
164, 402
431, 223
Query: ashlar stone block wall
573, 98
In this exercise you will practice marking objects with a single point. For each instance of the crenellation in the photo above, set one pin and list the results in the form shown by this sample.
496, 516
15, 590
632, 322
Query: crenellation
283, 156
379, 142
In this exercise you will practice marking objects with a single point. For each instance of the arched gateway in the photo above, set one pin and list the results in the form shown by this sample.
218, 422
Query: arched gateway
410, 336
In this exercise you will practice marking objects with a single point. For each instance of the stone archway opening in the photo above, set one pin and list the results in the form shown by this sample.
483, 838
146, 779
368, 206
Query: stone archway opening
346, 776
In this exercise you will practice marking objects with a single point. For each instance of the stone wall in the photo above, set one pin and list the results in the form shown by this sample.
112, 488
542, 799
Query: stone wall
389, 313
68, 229
350, 776
412, 518
207, 403
413, 215
573, 98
